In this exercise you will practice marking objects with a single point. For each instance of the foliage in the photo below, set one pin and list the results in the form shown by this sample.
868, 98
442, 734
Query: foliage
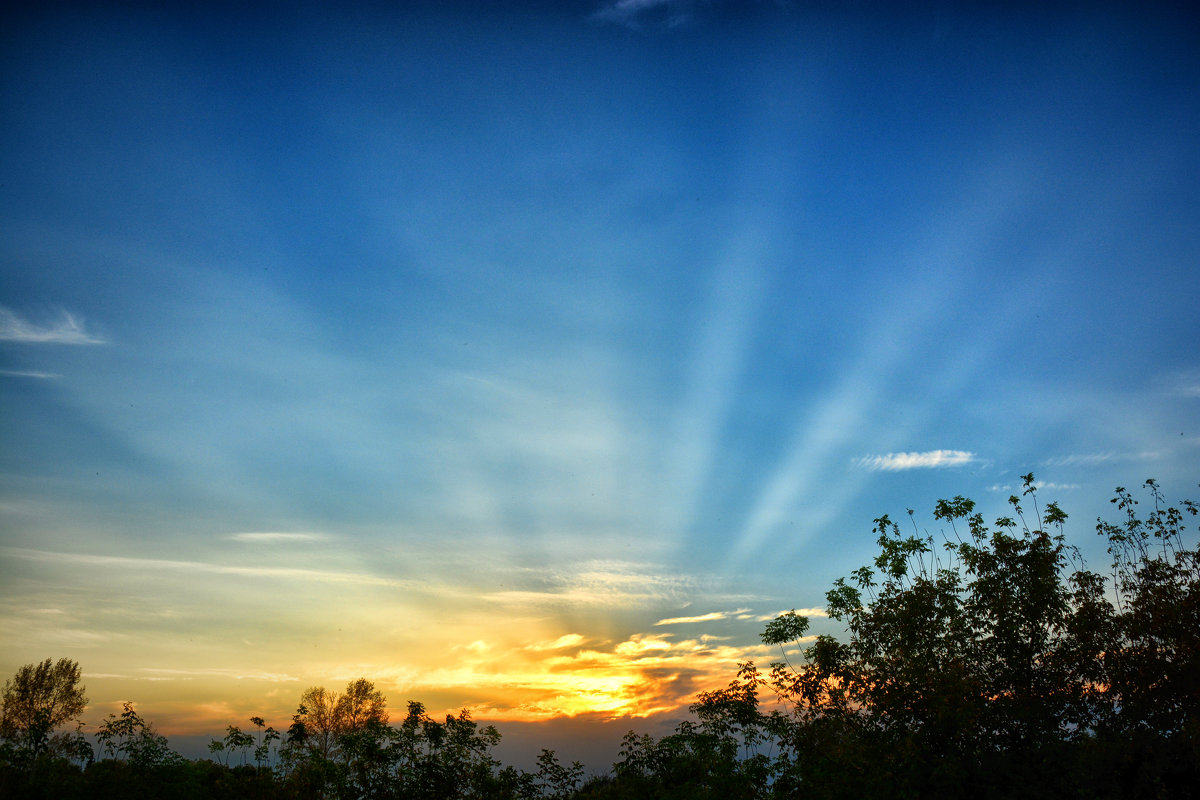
992, 659
38, 699
130, 738
135, 762
346, 748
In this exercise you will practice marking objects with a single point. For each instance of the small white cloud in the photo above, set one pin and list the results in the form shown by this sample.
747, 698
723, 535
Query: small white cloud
16, 373
715, 615
67, 329
930, 459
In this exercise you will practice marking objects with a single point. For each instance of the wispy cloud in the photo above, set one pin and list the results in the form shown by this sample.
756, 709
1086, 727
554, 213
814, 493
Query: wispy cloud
561, 643
599, 583
67, 329
930, 459
804, 612
152, 673
1095, 459
572, 597
739, 614
1039, 485
278, 536
16, 373
158, 564
1081, 460
1184, 383
711, 616
637, 13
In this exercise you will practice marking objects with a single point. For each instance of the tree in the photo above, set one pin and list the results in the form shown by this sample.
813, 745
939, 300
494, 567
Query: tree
38, 699
236, 740
318, 714
992, 658
262, 750
444, 759
323, 717
130, 738
555, 781
360, 705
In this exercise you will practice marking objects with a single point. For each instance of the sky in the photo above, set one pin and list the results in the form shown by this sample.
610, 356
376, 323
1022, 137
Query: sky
525, 358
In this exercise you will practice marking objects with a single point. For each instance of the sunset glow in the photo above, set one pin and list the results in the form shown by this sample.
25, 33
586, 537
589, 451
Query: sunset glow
526, 359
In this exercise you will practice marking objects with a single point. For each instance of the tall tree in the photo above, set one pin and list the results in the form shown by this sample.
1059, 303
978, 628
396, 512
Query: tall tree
40, 698
324, 717
318, 714
360, 705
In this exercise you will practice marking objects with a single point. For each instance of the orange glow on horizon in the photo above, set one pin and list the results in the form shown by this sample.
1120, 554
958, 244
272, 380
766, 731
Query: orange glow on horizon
638, 677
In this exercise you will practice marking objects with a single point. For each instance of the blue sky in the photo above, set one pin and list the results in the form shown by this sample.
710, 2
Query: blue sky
526, 358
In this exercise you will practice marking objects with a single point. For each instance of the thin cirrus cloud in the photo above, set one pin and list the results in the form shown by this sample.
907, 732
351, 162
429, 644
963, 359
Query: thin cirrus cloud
634, 13
1096, 459
930, 459
710, 617
804, 612
18, 373
67, 329
740, 614
155, 564
278, 536
1040, 485
154, 673
598, 584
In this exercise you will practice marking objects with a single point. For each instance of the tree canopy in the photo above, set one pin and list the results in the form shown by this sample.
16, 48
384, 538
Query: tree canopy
39, 699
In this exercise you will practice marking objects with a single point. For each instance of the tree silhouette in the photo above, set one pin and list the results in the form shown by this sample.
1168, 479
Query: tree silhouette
991, 658
38, 699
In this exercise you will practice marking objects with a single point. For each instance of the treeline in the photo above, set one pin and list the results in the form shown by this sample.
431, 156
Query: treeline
337, 746
984, 661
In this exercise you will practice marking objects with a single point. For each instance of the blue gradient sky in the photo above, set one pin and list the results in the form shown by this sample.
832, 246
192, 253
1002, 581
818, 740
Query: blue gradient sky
481, 350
